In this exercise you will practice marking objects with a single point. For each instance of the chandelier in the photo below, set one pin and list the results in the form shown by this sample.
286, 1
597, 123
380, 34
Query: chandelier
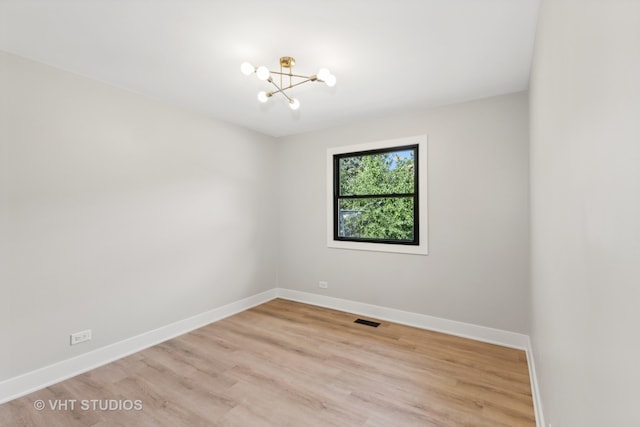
287, 79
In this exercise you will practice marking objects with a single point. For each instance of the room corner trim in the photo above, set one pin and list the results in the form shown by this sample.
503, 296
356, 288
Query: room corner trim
29, 382
535, 389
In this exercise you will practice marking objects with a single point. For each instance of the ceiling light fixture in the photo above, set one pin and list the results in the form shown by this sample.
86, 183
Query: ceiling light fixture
286, 62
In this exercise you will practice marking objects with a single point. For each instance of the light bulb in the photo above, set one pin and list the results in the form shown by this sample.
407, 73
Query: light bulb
247, 68
262, 72
323, 73
294, 104
262, 97
330, 80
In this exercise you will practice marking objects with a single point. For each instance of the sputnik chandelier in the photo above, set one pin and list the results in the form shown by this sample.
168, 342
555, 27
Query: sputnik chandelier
286, 62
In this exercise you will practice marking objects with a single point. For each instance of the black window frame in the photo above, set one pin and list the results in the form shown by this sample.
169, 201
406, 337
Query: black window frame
415, 195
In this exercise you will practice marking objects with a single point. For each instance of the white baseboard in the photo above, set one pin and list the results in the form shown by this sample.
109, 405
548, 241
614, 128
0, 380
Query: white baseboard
40, 378
35, 380
535, 389
423, 321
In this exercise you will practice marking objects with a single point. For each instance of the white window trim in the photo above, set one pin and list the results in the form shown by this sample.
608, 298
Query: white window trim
422, 248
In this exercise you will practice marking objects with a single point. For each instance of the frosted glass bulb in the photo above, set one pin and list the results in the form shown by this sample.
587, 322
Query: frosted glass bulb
262, 72
330, 80
323, 73
247, 68
262, 97
294, 104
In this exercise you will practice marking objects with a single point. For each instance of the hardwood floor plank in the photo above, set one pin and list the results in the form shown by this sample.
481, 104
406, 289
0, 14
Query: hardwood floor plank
290, 364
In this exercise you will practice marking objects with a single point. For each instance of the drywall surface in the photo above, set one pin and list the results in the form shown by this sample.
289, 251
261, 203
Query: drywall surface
477, 268
585, 197
120, 214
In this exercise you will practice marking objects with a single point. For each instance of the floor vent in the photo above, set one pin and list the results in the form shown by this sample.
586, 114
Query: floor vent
367, 322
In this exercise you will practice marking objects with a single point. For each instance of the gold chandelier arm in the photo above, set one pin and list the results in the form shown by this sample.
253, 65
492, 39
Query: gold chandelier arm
312, 78
290, 86
281, 90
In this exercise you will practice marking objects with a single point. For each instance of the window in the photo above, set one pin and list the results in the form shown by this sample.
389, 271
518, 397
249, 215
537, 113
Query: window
376, 197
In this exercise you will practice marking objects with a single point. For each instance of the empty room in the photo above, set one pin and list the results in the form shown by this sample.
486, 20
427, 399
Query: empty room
356, 213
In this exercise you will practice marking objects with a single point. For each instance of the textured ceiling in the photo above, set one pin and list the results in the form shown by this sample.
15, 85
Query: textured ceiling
388, 56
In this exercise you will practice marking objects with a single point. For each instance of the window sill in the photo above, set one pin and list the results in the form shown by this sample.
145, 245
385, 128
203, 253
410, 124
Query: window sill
379, 247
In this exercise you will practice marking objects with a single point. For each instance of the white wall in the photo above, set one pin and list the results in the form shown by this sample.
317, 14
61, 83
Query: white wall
5, 296
585, 175
477, 269
121, 214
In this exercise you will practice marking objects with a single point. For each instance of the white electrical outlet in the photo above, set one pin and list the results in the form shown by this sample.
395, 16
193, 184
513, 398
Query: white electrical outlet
79, 337
323, 285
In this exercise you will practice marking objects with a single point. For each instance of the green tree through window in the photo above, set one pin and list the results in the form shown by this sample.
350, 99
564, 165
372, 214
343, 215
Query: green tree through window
376, 196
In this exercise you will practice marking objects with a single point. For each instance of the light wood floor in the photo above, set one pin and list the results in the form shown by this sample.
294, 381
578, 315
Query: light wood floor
290, 364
